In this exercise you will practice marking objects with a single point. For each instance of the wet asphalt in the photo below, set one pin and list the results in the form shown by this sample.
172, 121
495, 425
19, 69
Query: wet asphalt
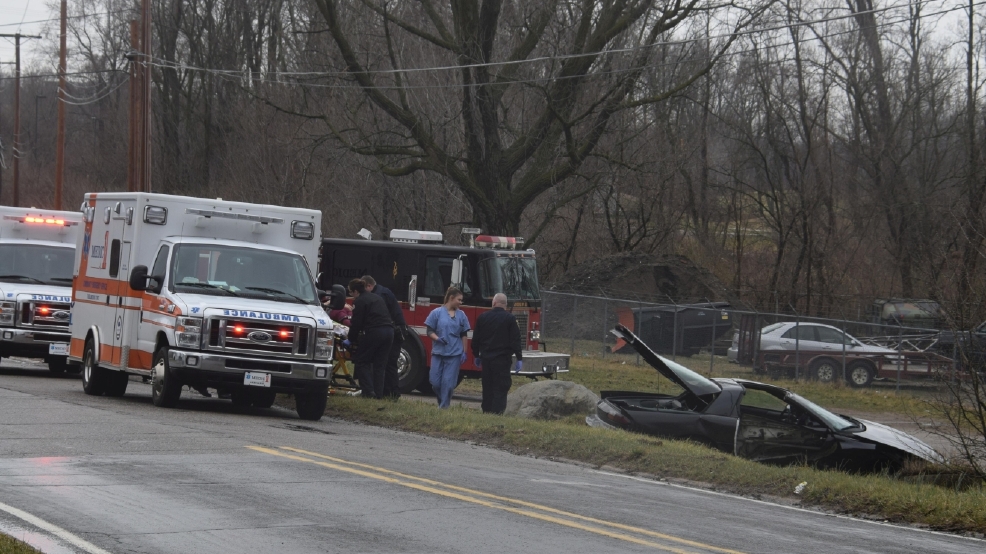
125, 476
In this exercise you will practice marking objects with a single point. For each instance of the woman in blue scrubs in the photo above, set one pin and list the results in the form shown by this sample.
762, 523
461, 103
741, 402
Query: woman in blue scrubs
447, 325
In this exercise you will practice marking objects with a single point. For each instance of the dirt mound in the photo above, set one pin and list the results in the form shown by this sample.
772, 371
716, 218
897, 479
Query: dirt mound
647, 277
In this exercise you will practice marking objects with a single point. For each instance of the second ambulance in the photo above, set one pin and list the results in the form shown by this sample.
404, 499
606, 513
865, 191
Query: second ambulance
200, 292
36, 252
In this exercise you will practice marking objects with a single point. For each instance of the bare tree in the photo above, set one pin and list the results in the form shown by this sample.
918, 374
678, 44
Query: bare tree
535, 89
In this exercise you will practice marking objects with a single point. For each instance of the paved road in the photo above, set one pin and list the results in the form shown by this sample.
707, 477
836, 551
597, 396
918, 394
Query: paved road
119, 475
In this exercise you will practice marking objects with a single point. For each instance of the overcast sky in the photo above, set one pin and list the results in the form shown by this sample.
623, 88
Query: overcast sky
33, 17
16, 17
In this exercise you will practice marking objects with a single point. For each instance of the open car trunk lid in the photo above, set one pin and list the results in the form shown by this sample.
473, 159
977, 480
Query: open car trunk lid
677, 374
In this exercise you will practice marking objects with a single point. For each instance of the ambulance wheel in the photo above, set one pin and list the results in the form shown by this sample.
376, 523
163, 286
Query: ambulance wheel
240, 398
264, 399
57, 365
93, 376
311, 406
116, 383
411, 371
165, 387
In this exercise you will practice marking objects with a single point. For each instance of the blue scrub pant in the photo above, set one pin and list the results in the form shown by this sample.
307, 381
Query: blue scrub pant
444, 376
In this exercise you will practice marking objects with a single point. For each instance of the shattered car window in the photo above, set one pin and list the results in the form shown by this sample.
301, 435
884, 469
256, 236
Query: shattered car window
760, 399
834, 421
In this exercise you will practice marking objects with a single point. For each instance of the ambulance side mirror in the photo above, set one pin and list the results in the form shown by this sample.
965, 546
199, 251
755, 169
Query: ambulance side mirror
140, 280
138, 277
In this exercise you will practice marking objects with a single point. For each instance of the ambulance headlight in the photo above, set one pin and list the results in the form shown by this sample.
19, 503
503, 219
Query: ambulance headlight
323, 344
7, 311
189, 332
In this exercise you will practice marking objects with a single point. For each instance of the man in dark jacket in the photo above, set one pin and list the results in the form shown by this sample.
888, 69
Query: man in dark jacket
371, 332
495, 338
391, 379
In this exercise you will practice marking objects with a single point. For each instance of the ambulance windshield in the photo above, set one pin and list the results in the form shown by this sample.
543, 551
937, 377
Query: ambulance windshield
37, 264
514, 276
237, 271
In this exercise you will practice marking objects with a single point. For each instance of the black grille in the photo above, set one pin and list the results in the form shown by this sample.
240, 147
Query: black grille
259, 337
522, 323
252, 365
45, 314
51, 337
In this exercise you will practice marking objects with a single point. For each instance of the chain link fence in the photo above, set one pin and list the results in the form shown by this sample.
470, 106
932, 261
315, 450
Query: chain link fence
722, 341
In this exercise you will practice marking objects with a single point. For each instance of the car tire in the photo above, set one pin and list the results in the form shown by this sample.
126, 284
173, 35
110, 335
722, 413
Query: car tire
57, 365
165, 386
311, 405
859, 374
93, 376
411, 370
824, 370
264, 399
116, 383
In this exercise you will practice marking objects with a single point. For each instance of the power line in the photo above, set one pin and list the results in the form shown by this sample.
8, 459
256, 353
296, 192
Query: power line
81, 16
632, 49
238, 75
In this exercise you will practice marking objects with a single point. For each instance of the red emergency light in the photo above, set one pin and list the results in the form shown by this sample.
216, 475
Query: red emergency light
490, 241
238, 329
284, 334
43, 310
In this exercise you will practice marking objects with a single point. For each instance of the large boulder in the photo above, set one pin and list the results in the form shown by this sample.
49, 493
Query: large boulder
551, 400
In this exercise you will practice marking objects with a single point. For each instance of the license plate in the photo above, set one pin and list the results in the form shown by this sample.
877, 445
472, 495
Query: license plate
255, 379
58, 349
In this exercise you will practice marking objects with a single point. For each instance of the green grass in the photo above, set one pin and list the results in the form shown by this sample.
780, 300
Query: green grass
882, 496
10, 545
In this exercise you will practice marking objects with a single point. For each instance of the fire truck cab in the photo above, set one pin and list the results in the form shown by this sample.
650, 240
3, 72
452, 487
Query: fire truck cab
419, 267
36, 252
200, 292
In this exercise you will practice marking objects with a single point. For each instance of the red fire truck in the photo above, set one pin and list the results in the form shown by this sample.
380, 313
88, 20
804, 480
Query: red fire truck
418, 267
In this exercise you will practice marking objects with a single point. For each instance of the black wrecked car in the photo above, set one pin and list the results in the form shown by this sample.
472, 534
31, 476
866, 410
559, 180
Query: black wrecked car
757, 421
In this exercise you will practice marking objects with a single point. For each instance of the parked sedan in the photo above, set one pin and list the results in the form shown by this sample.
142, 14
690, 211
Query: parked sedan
817, 339
753, 420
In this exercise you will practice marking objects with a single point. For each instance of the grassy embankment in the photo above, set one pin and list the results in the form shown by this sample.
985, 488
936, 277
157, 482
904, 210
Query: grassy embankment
881, 496
10, 545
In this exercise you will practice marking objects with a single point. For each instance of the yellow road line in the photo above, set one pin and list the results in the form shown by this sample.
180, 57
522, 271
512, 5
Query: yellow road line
381, 474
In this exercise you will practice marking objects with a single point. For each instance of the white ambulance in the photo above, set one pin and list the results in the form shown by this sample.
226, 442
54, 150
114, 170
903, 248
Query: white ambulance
36, 252
200, 292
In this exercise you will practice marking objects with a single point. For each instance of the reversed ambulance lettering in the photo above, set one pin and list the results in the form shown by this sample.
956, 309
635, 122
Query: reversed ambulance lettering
262, 315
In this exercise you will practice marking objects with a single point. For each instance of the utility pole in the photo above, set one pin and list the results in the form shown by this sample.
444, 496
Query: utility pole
17, 110
60, 144
2, 162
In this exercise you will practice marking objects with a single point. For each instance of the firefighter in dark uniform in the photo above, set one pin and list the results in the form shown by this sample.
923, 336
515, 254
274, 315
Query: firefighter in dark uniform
371, 331
495, 338
391, 379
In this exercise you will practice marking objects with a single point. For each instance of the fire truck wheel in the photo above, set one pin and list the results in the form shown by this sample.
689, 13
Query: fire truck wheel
311, 406
264, 398
93, 376
165, 388
824, 370
116, 383
411, 372
860, 374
